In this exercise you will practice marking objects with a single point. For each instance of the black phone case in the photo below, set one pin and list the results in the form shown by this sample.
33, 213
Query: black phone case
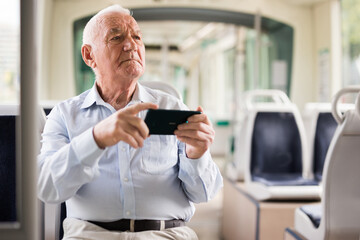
164, 121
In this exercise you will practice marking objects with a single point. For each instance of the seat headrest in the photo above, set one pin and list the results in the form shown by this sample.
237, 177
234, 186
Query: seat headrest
163, 86
351, 123
351, 116
251, 98
9, 110
339, 117
357, 105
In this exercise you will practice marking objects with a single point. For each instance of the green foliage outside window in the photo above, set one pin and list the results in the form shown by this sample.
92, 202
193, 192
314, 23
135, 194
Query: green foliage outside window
350, 26
84, 76
350, 14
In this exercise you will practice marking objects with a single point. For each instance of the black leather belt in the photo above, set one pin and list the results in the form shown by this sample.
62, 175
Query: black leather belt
139, 225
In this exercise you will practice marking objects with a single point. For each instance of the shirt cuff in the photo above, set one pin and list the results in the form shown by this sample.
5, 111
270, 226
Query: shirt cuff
86, 148
194, 167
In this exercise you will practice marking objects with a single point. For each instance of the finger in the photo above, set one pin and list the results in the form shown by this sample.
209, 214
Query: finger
136, 108
197, 118
198, 126
136, 135
129, 139
140, 126
200, 117
194, 142
199, 109
196, 135
134, 127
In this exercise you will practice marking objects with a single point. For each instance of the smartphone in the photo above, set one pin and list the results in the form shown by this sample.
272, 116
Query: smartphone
165, 121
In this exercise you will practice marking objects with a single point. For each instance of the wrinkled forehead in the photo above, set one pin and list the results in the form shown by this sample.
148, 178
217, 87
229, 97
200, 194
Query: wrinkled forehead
119, 21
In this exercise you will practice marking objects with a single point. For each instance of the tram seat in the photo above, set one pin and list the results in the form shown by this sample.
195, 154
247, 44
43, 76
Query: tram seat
8, 116
52, 213
55, 214
320, 126
338, 214
274, 150
162, 86
48, 105
8, 143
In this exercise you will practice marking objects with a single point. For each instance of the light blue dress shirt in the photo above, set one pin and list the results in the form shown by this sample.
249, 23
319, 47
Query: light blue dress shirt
156, 181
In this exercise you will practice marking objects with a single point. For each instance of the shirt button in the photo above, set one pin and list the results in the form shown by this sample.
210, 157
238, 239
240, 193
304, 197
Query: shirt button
128, 213
123, 149
126, 179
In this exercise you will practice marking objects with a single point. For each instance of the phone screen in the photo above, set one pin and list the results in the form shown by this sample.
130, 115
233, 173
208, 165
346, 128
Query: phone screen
165, 121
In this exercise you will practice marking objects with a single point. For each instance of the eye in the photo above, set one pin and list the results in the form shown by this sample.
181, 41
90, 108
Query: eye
137, 37
115, 38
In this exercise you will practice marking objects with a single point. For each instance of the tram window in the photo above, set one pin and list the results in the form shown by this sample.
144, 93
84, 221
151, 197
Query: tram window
83, 74
350, 12
9, 50
199, 60
203, 60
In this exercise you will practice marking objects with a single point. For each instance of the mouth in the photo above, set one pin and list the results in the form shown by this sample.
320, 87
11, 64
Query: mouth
129, 60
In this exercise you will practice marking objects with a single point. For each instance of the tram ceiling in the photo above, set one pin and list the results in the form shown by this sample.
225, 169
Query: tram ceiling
172, 26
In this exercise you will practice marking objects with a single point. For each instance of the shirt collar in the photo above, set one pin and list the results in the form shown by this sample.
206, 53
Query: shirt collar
93, 97
140, 95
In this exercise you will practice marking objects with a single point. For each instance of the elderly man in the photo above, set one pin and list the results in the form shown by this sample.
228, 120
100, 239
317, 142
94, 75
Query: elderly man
118, 182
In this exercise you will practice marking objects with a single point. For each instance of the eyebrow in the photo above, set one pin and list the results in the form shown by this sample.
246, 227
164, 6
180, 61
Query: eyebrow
119, 30
114, 30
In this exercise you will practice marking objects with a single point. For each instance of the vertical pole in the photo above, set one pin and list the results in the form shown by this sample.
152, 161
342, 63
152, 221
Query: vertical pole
257, 50
29, 120
336, 59
165, 60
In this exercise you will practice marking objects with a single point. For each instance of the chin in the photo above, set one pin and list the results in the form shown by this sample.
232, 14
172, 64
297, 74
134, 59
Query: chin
135, 73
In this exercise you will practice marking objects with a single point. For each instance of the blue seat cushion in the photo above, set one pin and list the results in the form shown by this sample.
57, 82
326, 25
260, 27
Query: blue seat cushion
62, 218
314, 212
325, 129
7, 169
47, 110
283, 179
276, 144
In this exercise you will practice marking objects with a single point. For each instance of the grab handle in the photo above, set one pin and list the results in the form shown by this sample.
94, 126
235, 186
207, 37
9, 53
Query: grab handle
334, 109
277, 96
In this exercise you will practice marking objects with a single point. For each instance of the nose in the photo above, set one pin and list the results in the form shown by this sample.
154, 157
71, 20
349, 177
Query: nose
129, 44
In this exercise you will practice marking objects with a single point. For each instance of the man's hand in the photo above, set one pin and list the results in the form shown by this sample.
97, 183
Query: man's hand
124, 126
198, 134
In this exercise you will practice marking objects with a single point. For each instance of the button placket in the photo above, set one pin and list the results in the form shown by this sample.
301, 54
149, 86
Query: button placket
127, 185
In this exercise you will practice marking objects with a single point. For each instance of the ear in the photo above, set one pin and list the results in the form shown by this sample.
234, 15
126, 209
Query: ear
88, 56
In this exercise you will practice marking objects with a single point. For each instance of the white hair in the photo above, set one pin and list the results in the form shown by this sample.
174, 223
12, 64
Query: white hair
88, 33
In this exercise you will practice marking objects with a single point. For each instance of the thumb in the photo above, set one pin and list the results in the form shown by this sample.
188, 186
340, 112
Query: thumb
136, 108
200, 109
206, 119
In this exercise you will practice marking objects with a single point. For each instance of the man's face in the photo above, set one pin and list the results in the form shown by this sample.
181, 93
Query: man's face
119, 51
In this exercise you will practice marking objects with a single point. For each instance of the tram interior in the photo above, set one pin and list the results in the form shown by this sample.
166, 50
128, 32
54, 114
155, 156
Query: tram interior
250, 65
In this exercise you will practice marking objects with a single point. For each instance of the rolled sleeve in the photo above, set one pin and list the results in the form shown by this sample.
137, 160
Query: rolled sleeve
201, 177
86, 149
62, 172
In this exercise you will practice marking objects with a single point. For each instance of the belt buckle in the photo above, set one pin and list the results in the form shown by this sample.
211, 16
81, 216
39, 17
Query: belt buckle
132, 225
162, 225
146, 225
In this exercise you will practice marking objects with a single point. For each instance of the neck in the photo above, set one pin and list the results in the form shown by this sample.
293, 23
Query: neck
117, 96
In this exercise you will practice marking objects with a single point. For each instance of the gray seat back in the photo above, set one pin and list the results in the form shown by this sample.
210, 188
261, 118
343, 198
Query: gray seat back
341, 178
